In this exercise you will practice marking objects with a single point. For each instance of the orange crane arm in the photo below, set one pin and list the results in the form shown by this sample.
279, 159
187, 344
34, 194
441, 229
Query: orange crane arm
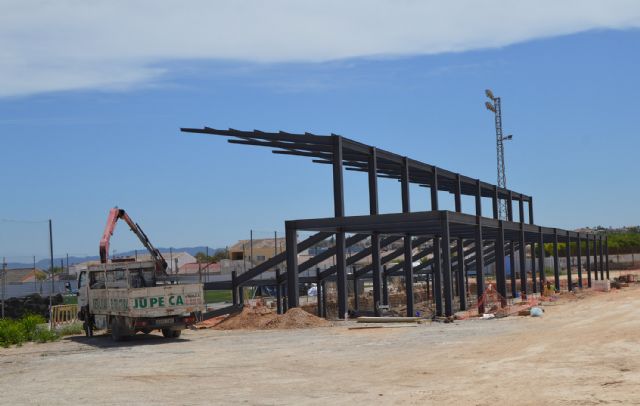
114, 215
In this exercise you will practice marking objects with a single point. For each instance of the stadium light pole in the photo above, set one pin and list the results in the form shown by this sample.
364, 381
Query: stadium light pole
495, 107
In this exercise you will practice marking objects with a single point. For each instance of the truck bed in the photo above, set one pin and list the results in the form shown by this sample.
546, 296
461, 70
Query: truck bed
158, 301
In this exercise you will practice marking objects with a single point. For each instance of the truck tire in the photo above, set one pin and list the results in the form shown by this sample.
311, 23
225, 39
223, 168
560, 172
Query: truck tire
167, 333
116, 330
176, 333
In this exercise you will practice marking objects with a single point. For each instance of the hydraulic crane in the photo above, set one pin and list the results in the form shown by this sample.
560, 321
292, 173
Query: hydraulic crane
114, 215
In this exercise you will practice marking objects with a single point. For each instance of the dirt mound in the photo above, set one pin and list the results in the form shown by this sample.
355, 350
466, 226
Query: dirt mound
298, 318
261, 318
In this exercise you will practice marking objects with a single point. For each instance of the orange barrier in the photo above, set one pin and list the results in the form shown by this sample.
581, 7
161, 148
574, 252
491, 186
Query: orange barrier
64, 314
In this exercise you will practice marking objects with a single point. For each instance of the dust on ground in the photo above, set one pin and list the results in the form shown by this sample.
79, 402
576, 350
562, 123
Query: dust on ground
584, 350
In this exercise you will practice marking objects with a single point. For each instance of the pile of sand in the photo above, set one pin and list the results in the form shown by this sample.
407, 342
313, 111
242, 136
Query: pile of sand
261, 318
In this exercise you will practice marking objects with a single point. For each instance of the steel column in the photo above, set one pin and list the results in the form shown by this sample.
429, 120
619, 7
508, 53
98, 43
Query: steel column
495, 202
579, 247
462, 292
355, 290
338, 203
534, 285
375, 237
291, 242
512, 265
437, 276
278, 293
523, 259
234, 288
434, 189
461, 273
595, 257
568, 255
543, 274
588, 262
530, 210
319, 292
385, 287
500, 258
606, 254
408, 258
446, 259
478, 197
602, 264
510, 206
556, 261
479, 265
521, 209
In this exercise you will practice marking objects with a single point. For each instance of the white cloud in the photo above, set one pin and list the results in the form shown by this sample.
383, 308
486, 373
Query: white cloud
79, 44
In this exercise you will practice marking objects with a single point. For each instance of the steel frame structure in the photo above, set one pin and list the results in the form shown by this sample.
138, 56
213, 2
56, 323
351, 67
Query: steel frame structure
458, 241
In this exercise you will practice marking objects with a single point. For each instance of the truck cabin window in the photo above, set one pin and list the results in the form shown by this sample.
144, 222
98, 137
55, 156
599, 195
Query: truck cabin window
96, 280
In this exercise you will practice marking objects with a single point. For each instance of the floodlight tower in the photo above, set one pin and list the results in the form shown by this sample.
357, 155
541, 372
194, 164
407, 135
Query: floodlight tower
502, 177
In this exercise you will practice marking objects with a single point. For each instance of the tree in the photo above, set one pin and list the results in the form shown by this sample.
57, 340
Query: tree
203, 258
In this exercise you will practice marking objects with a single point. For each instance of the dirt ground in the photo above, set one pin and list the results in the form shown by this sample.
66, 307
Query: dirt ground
583, 351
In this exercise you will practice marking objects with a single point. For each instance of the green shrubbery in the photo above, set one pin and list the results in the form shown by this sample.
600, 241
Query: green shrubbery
28, 328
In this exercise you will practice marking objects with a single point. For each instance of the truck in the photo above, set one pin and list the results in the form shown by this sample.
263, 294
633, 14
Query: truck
126, 296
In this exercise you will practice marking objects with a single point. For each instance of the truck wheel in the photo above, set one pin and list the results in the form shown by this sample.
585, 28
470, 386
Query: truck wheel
116, 335
167, 333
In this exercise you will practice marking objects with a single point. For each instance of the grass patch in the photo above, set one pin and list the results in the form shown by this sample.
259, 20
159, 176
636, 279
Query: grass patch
31, 327
70, 329
216, 296
70, 299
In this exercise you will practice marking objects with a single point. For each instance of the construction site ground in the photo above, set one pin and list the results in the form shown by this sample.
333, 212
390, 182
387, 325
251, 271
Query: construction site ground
584, 350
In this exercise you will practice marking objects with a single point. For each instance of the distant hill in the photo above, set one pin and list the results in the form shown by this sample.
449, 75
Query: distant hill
46, 263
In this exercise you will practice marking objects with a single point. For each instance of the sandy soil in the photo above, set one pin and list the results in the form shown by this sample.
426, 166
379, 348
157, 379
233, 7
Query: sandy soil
582, 352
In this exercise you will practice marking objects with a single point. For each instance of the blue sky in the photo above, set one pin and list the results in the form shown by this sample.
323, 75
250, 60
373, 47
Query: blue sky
571, 102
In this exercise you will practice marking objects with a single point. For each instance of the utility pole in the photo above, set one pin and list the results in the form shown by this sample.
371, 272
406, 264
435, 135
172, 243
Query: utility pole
51, 258
4, 282
502, 177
